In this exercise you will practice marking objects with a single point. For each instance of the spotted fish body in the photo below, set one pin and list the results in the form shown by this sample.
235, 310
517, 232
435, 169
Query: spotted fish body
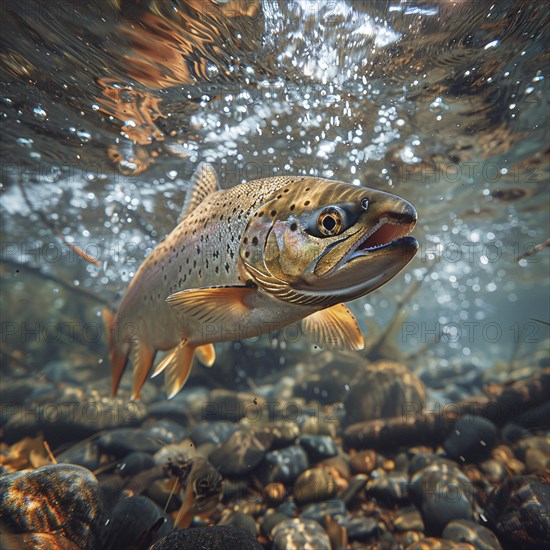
255, 258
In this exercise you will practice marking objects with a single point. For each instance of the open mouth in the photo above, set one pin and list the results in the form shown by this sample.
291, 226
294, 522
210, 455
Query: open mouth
384, 234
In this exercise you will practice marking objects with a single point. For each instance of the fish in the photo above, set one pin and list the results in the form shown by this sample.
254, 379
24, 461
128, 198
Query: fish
253, 259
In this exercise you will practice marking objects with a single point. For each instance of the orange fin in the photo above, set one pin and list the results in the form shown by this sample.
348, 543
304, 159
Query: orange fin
118, 351
334, 328
214, 305
143, 356
206, 354
177, 367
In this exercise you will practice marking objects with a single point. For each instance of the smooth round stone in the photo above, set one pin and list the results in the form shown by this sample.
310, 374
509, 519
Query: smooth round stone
408, 520
288, 508
318, 447
300, 534
242, 520
363, 529
241, 452
442, 493
318, 510
283, 465
175, 410
53, 499
384, 390
165, 431
519, 511
36, 541
85, 454
363, 462
134, 463
212, 432
471, 439
388, 488
219, 537
314, 485
471, 532
271, 521
134, 521
351, 493
63, 418
124, 441
283, 433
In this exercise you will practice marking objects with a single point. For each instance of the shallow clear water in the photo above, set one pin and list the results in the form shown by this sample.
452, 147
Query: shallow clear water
108, 108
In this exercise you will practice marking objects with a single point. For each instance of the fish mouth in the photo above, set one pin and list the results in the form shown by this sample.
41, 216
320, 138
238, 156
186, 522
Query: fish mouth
387, 233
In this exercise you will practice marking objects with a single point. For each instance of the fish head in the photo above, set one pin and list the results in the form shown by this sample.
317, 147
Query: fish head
317, 241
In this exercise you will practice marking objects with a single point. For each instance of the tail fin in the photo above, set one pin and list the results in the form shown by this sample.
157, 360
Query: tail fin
118, 351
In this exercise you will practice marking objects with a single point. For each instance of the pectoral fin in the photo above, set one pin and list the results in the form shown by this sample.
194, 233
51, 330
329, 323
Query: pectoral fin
143, 356
215, 305
334, 328
176, 367
206, 354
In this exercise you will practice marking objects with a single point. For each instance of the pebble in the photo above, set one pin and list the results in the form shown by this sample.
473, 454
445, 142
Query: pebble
136, 521
52, 499
442, 493
134, 463
36, 541
270, 521
166, 431
519, 511
318, 510
85, 454
241, 452
216, 537
213, 432
124, 441
318, 447
314, 485
384, 390
283, 465
389, 488
351, 493
471, 439
363, 529
242, 520
300, 534
408, 519
468, 531
363, 462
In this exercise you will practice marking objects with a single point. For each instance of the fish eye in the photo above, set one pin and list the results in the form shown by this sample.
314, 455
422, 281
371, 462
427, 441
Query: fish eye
364, 203
330, 221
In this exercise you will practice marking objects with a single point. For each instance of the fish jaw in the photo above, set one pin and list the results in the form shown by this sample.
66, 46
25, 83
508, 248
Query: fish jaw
300, 264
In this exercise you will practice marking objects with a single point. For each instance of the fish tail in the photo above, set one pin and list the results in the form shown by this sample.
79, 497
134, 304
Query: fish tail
118, 351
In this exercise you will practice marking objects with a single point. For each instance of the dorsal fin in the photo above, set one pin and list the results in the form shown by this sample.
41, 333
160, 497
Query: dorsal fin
203, 183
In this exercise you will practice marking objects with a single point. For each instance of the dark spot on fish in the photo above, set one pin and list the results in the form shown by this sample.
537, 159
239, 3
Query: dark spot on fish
255, 240
217, 269
279, 196
286, 190
307, 189
306, 203
273, 213
190, 271
180, 268
247, 254
198, 249
226, 267
187, 261
294, 226
249, 282
260, 213
245, 240
292, 206
194, 263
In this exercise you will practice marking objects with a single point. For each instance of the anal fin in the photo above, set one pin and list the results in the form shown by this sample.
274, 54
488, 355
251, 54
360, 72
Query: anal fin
206, 354
176, 367
334, 328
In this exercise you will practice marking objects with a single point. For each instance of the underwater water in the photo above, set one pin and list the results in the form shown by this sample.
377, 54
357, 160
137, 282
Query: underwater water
107, 110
